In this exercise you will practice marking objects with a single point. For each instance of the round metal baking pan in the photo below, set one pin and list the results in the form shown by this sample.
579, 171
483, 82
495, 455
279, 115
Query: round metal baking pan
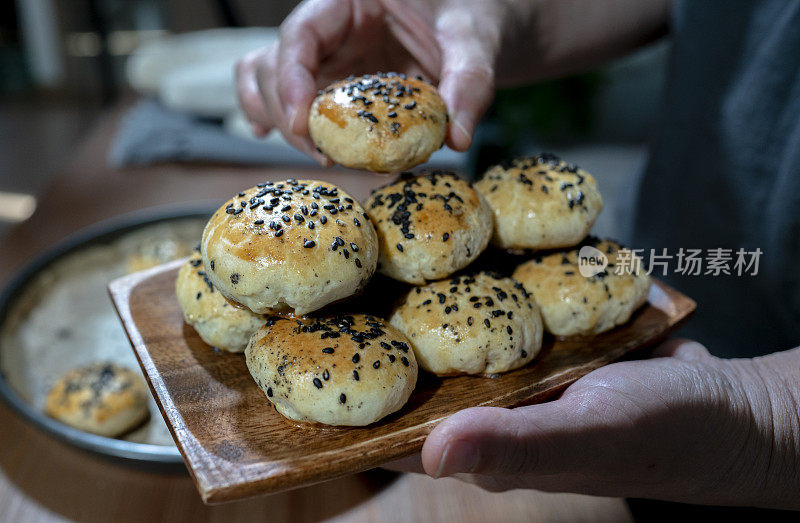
160, 456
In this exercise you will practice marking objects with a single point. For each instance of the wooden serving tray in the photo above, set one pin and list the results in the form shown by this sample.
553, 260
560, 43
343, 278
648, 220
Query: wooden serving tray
236, 445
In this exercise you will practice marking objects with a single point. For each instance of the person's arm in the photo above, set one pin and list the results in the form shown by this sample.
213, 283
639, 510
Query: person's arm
463, 45
551, 38
683, 426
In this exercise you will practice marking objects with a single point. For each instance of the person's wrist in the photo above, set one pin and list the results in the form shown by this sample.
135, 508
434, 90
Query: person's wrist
773, 439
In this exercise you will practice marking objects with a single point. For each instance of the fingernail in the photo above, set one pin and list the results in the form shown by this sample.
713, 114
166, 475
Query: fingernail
462, 129
291, 111
458, 456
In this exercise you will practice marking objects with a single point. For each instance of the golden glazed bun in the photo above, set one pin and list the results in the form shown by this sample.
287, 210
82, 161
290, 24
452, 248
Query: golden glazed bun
296, 244
342, 370
429, 226
482, 324
573, 304
219, 323
540, 202
381, 123
101, 398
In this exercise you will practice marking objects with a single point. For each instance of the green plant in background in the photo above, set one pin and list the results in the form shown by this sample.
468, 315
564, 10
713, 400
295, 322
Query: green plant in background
557, 111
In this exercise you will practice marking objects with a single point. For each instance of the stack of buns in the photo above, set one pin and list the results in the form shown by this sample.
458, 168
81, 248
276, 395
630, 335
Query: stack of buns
279, 263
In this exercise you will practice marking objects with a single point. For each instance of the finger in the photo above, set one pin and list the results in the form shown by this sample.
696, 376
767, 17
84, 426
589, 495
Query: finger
682, 349
265, 77
315, 28
467, 79
248, 94
550, 438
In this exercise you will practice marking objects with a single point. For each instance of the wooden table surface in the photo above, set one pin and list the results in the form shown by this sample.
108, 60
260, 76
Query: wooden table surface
42, 478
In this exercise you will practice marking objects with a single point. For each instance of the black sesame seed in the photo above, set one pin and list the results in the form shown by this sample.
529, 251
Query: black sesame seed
259, 222
355, 375
354, 247
342, 398
524, 354
279, 233
376, 365
326, 375
269, 392
310, 225
404, 360
392, 358
441, 296
445, 236
286, 218
317, 383
328, 350
509, 330
308, 243
323, 220
399, 247
358, 223
487, 323
356, 358
358, 263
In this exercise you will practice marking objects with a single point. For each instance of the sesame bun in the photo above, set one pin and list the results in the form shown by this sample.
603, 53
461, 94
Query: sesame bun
573, 304
429, 225
482, 324
381, 123
101, 398
295, 244
540, 202
219, 322
340, 370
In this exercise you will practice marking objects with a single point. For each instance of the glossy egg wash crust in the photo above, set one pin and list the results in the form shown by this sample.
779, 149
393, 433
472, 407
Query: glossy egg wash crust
573, 304
429, 225
296, 244
349, 370
385, 122
483, 324
540, 202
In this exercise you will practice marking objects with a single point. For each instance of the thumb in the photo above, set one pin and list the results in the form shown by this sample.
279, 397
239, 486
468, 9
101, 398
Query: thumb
550, 438
467, 78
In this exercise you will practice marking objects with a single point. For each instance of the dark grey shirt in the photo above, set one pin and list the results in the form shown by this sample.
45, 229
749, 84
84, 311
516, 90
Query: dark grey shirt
725, 168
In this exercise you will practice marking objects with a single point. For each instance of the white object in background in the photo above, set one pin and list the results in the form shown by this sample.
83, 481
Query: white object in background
16, 207
203, 89
237, 125
194, 71
38, 22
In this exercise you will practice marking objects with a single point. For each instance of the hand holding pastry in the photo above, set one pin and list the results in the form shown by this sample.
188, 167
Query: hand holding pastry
323, 41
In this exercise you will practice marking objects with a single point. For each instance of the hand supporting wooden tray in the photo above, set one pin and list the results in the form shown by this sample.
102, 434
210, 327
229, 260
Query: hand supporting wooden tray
236, 445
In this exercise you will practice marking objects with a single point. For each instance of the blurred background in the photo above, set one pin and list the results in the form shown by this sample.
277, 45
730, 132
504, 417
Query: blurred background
168, 66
